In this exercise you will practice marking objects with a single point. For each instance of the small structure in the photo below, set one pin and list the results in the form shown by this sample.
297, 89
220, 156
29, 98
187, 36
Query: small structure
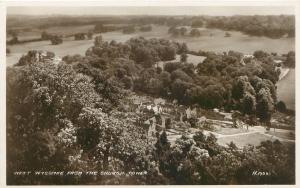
278, 63
191, 113
79, 36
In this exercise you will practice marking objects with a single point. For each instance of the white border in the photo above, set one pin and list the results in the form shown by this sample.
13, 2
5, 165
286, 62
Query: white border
165, 3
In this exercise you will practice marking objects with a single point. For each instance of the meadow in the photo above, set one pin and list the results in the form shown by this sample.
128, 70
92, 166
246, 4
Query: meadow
210, 40
286, 89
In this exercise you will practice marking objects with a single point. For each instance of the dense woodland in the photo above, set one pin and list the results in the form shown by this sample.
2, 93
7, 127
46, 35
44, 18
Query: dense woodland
69, 116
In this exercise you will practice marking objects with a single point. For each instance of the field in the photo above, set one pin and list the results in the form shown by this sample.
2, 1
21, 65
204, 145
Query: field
243, 140
286, 89
217, 42
58, 30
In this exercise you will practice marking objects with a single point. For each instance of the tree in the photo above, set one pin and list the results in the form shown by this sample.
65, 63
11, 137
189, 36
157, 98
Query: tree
195, 33
290, 59
79, 36
248, 103
90, 35
46, 114
162, 146
265, 106
55, 40
241, 86
147, 57
281, 107
182, 48
183, 31
14, 40
197, 23
259, 54
98, 40
129, 29
179, 88
168, 53
227, 34
99, 28
181, 75
146, 28
171, 29
45, 36
183, 57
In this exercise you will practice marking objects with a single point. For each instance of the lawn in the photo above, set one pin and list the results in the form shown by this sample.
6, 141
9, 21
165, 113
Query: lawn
286, 89
228, 131
285, 135
243, 140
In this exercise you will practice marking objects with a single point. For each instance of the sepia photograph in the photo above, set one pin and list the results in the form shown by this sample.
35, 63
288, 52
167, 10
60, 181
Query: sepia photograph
150, 95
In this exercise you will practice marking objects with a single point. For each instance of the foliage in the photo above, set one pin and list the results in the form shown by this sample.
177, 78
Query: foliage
290, 59
197, 23
281, 107
90, 35
57, 123
265, 105
270, 26
146, 28
200, 160
129, 29
79, 36
195, 33
45, 36
175, 31
55, 40
183, 57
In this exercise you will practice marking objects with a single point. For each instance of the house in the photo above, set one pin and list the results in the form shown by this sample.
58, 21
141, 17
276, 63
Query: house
248, 56
151, 123
191, 113
277, 62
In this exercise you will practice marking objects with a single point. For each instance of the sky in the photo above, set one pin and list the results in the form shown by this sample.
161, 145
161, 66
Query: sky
151, 10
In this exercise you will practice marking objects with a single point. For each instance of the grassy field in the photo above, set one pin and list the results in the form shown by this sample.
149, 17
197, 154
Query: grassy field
59, 30
286, 89
243, 140
217, 42
228, 131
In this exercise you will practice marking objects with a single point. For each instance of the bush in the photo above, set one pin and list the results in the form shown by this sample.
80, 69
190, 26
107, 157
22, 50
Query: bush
90, 35
45, 36
195, 33
79, 36
146, 28
281, 107
227, 34
56, 40
129, 29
